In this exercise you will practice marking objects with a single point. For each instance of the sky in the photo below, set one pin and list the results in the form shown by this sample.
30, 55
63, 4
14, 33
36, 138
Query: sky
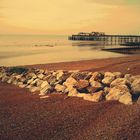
69, 16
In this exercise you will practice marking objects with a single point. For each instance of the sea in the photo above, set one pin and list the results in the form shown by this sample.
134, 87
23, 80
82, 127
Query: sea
18, 50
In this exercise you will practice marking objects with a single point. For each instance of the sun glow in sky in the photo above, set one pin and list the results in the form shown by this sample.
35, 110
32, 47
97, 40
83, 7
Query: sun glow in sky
69, 16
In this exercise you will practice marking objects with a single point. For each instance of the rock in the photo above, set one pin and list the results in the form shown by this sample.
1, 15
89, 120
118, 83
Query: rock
59, 75
34, 82
5, 78
22, 85
31, 75
1, 74
135, 86
136, 77
14, 82
81, 84
19, 76
126, 99
70, 81
11, 79
51, 80
23, 79
18, 70
44, 97
30, 81
46, 72
42, 94
116, 92
40, 76
118, 74
96, 76
138, 101
87, 97
120, 81
19, 83
108, 80
129, 77
106, 90
98, 96
28, 86
79, 75
109, 74
60, 88
81, 95
63, 75
46, 89
96, 86
41, 71
44, 84
39, 82
72, 92
33, 89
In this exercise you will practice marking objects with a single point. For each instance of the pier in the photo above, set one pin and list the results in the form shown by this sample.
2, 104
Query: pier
107, 39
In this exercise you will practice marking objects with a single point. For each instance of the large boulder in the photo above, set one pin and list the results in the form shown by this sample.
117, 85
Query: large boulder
120, 81
18, 70
23, 85
96, 97
60, 88
79, 75
33, 89
72, 92
5, 78
2, 74
96, 76
44, 84
108, 78
128, 77
62, 75
31, 75
95, 86
106, 90
40, 76
118, 74
19, 76
51, 80
11, 79
81, 84
59, 74
34, 82
135, 86
45, 90
126, 99
116, 92
70, 82
39, 82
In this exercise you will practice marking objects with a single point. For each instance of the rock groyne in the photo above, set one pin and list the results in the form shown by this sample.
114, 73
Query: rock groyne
91, 86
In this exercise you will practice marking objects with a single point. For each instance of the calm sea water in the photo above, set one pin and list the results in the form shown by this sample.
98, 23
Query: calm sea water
40, 49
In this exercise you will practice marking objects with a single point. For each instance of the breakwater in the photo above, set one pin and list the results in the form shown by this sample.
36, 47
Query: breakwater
91, 86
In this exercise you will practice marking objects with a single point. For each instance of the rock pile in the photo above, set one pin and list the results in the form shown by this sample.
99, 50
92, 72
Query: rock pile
91, 86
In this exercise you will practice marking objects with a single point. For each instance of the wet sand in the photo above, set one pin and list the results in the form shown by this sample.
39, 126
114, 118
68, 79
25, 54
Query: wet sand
26, 116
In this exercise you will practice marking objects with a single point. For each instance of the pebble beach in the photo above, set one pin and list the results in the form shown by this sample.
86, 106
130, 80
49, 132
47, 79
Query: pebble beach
62, 114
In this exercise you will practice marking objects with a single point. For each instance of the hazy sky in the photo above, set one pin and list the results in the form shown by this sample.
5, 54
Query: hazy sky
69, 16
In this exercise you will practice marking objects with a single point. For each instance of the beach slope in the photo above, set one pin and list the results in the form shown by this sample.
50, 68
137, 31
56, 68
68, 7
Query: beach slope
26, 116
